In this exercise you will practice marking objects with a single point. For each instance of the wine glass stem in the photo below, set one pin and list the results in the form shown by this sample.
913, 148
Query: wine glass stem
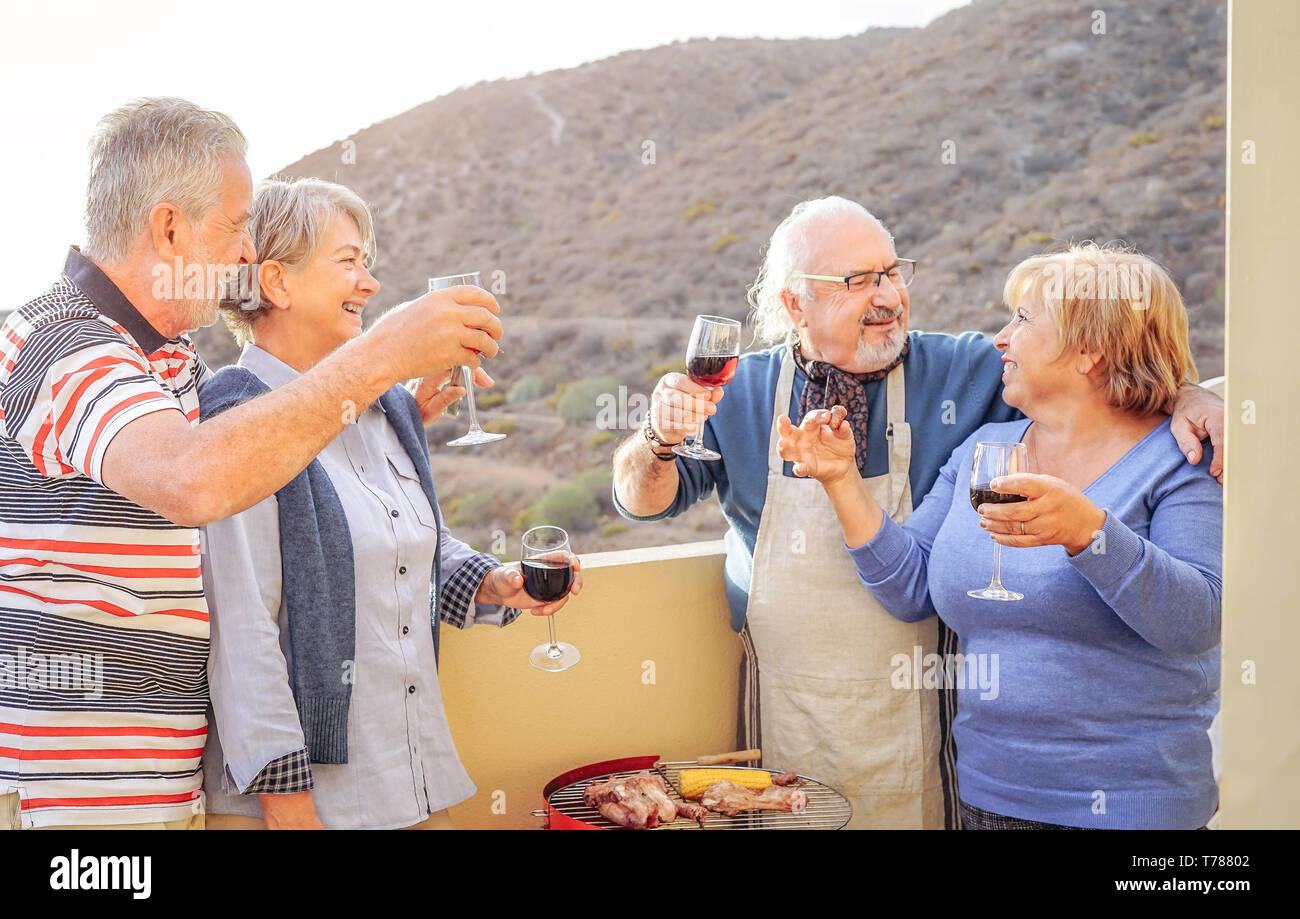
553, 651
699, 437
467, 377
997, 566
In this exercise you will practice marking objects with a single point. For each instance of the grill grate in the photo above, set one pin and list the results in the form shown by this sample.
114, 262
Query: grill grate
827, 808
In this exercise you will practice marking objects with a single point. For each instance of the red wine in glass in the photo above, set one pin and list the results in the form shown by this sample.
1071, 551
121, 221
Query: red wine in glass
712, 370
547, 579
992, 460
547, 566
984, 494
711, 360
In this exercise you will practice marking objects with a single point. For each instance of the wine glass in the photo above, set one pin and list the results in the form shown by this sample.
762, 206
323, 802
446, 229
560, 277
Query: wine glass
994, 460
475, 435
547, 566
711, 360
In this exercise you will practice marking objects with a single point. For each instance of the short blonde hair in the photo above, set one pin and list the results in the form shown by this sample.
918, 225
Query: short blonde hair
1117, 302
287, 223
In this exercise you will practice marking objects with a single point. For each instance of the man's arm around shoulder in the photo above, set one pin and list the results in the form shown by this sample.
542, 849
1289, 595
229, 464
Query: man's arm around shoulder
193, 475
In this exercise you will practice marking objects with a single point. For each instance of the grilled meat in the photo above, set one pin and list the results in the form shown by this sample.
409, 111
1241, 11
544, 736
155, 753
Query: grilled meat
638, 802
730, 799
637, 814
695, 812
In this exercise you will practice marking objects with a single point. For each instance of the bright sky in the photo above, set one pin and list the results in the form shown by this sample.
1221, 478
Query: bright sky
297, 76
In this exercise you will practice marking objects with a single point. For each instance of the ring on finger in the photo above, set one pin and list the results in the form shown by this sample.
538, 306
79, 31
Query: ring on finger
1022, 528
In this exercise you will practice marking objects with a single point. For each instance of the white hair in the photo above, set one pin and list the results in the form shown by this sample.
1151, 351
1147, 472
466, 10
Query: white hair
147, 152
788, 252
288, 221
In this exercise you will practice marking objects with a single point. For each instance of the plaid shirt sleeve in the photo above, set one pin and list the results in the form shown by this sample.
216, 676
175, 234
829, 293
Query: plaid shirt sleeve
284, 775
457, 607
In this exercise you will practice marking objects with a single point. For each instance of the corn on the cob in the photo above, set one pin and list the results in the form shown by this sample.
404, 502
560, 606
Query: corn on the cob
694, 781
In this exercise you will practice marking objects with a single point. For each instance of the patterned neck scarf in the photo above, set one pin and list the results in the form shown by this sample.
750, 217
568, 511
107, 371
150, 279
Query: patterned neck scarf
829, 386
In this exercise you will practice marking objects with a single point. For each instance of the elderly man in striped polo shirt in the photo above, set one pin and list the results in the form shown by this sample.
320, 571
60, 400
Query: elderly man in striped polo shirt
106, 474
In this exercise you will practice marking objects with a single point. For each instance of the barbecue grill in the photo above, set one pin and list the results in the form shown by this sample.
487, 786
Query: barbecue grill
565, 809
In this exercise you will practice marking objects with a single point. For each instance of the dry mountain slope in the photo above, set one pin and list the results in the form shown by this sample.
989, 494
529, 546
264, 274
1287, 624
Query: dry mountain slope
1000, 129
469, 178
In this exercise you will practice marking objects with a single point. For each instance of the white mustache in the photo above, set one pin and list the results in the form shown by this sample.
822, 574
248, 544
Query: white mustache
882, 316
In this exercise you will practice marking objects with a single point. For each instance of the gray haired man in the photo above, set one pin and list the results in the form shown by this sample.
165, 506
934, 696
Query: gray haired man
106, 473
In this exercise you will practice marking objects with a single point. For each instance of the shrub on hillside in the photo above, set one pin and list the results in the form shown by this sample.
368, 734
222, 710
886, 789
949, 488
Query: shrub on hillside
571, 507
578, 400
473, 508
599, 439
1035, 238
486, 507
726, 239
598, 481
698, 210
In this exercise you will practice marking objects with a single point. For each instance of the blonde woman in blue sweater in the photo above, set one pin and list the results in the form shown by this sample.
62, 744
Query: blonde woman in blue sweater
1108, 669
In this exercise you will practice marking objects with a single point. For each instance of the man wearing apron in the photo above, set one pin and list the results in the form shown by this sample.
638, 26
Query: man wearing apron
822, 689
829, 709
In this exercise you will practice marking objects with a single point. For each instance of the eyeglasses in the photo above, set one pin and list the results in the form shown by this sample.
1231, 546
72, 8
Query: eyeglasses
900, 274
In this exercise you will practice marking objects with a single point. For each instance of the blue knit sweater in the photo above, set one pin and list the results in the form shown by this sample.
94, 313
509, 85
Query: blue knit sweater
954, 385
1088, 702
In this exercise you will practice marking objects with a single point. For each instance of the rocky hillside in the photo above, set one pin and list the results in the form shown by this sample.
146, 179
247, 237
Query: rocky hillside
617, 200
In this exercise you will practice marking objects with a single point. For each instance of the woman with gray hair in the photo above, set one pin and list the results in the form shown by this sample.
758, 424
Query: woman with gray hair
326, 597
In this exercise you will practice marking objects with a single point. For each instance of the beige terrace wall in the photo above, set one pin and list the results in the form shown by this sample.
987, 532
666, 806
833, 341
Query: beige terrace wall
516, 728
1261, 628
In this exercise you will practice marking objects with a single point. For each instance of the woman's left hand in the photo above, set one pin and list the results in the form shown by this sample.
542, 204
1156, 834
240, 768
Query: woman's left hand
1055, 514
433, 394
504, 586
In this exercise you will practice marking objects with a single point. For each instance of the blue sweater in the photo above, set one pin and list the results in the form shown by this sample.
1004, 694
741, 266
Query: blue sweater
1089, 701
954, 385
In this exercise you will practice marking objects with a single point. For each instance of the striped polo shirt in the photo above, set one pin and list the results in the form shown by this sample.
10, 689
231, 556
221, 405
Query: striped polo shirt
103, 622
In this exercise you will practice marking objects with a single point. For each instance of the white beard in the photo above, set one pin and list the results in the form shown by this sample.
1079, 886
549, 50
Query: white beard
199, 314
878, 357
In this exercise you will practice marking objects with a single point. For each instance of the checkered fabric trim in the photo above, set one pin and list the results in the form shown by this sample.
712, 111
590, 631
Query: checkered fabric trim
459, 590
284, 775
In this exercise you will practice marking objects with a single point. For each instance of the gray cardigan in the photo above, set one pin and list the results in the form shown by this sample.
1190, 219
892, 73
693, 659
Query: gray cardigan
317, 567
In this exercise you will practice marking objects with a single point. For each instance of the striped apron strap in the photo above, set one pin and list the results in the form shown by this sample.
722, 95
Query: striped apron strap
948, 646
749, 735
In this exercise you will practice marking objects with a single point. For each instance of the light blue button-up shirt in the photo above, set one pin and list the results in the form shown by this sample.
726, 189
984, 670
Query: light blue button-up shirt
402, 764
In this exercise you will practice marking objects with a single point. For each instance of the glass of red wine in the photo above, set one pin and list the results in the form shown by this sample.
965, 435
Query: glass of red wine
476, 435
711, 360
547, 565
994, 460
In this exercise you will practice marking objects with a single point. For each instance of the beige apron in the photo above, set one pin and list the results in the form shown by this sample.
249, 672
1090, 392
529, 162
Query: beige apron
823, 647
